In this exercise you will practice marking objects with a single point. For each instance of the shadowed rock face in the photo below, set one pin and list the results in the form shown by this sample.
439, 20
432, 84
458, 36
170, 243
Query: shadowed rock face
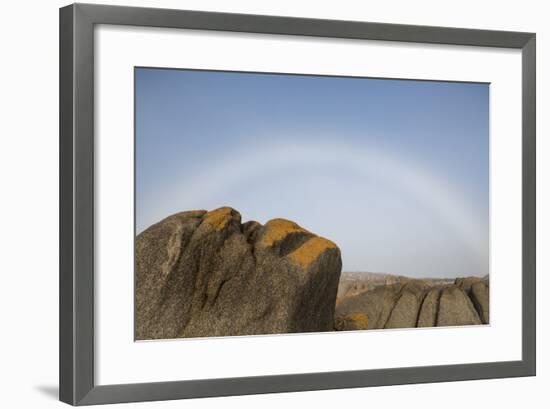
416, 303
480, 297
430, 306
455, 308
204, 273
478, 290
405, 312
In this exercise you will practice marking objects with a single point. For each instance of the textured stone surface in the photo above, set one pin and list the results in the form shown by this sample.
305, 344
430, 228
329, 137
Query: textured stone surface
466, 283
206, 274
405, 312
415, 303
352, 322
480, 297
376, 304
456, 308
428, 312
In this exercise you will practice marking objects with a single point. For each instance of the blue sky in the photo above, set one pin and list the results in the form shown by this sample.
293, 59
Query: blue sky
396, 172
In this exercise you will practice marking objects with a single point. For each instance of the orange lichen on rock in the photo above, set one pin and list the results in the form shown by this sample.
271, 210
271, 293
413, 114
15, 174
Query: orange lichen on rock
277, 229
218, 218
359, 320
310, 250
351, 322
206, 274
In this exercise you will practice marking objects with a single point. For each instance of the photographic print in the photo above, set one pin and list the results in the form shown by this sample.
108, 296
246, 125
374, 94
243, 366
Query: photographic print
271, 203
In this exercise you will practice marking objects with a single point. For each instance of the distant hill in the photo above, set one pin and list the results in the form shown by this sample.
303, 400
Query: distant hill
355, 282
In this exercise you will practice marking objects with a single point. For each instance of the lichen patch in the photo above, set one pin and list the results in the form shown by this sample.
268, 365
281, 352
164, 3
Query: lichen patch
277, 229
310, 250
218, 218
360, 320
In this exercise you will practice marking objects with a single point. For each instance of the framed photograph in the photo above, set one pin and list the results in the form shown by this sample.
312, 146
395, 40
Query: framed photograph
257, 204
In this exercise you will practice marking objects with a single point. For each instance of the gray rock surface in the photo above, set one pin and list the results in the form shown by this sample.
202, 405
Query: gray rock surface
456, 308
466, 283
368, 310
428, 312
405, 312
413, 303
204, 274
480, 297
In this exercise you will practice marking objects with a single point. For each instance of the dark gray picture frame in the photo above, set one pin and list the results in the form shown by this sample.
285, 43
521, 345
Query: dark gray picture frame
76, 281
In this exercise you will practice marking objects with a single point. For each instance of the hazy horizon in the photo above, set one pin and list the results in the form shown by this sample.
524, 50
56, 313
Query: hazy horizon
395, 172
405, 275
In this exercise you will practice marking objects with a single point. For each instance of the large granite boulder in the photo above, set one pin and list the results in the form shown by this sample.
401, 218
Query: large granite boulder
430, 305
466, 283
405, 311
456, 308
480, 297
477, 288
204, 274
372, 307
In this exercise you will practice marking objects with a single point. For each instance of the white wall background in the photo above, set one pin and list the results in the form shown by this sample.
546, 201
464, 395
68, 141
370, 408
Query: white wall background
29, 200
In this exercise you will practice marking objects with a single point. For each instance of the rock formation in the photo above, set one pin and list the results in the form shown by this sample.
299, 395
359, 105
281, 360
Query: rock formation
415, 303
204, 273
455, 308
478, 290
427, 317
